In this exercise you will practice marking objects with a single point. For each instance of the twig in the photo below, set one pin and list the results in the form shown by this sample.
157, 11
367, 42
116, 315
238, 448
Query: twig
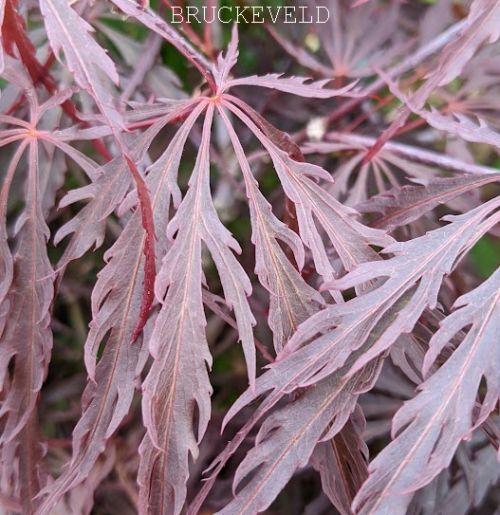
415, 154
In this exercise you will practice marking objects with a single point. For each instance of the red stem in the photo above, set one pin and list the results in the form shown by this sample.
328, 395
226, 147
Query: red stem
149, 248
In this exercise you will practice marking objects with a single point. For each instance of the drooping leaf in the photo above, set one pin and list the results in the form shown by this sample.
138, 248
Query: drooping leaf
360, 344
116, 302
358, 331
292, 300
178, 380
26, 339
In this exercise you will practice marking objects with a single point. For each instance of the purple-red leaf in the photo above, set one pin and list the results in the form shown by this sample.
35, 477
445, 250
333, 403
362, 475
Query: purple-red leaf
402, 206
430, 426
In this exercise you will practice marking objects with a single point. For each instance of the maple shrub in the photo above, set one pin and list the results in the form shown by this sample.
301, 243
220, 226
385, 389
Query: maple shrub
249, 267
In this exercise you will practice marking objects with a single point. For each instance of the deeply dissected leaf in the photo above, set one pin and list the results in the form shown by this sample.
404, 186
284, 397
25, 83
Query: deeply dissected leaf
400, 336
446, 401
404, 205
90, 64
288, 436
116, 304
352, 39
294, 85
355, 181
176, 381
434, 255
363, 328
26, 337
292, 300
349, 238
456, 123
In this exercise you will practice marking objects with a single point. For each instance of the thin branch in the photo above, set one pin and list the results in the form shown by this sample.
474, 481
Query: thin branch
415, 154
